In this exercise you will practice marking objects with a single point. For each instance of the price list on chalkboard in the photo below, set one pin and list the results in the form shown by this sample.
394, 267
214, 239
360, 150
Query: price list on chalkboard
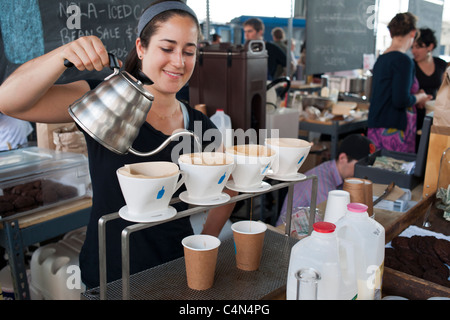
338, 34
30, 28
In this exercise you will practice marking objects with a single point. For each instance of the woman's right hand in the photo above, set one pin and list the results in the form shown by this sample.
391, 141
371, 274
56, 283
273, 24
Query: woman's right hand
422, 97
86, 53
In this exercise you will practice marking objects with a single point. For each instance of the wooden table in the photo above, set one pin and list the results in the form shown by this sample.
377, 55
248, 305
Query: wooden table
20, 231
396, 282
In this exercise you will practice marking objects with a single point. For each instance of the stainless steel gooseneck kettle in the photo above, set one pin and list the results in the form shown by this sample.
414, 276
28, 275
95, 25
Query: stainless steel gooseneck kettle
115, 110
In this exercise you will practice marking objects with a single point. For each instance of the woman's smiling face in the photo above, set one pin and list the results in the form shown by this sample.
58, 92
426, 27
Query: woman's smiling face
169, 59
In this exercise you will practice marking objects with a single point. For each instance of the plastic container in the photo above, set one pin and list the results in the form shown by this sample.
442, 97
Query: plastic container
6, 283
33, 179
55, 272
333, 260
223, 123
368, 239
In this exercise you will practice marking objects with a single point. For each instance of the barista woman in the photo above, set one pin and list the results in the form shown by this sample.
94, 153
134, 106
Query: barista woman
392, 118
165, 50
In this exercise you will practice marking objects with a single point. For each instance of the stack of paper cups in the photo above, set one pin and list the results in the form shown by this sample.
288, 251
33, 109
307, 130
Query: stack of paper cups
361, 191
336, 205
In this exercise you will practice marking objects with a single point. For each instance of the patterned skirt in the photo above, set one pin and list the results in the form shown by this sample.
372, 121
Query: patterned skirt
394, 139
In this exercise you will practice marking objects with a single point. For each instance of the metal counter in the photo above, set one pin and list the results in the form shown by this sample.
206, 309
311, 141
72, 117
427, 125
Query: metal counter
140, 282
168, 281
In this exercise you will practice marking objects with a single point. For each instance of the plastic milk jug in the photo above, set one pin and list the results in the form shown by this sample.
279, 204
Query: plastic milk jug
368, 238
223, 123
333, 261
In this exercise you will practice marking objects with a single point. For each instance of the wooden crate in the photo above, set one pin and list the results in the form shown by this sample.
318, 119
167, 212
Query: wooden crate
402, 284
396, 283
439, 142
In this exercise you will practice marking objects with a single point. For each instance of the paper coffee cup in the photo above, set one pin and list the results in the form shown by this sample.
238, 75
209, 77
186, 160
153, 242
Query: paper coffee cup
368, 196
200, 256
336, 208
355, 187
248, 240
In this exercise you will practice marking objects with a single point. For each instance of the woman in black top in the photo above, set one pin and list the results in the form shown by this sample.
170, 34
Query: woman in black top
166, 47
429, 69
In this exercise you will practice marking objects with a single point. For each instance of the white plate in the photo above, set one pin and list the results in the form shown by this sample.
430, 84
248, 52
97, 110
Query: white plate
222, 198
264, 186
150, 217
293, 177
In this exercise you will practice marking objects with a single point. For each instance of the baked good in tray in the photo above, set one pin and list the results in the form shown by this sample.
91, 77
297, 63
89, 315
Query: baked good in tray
424, 257
34, 194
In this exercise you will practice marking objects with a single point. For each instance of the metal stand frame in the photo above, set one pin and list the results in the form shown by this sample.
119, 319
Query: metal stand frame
126, 232
15, 239
16, 260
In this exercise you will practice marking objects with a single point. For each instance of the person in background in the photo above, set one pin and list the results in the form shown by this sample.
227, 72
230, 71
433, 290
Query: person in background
13, 133
294, 62
254, 30
330, 174
279, 38
429, 69
216, 38
392, 117
165, 50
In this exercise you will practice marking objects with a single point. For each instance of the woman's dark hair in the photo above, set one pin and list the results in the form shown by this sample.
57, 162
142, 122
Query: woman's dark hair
426, 38
132, 62
402, 24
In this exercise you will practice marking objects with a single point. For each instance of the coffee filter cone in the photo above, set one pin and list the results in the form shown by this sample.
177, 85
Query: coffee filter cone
200, 268
251, 150
206, 158
153, 170
289, 143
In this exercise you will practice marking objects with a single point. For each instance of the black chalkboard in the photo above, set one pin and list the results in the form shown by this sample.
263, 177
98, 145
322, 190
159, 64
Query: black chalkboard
30, 28
429, 15
338, 34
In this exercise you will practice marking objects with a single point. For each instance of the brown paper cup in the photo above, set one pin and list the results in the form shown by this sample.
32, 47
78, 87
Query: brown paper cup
248, 240
200, 255
368, 196
355, 187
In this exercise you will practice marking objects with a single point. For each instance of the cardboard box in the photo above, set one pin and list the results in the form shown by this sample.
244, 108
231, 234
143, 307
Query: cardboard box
364, 169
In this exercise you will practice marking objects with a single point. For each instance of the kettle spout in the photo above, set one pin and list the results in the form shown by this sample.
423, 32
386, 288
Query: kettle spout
174, 136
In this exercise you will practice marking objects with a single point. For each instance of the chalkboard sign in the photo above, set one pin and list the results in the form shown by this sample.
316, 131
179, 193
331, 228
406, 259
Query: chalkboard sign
429, 15
30, 28
338, 34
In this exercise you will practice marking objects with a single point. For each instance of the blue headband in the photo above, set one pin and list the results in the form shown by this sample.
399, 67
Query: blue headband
156, 9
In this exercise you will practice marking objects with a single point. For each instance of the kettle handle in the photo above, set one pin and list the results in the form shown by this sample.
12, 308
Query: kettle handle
113, 62
115, 65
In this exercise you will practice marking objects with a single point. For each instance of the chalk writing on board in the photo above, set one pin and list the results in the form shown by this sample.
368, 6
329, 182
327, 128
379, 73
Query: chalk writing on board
338, 34
23, 39
30, 28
